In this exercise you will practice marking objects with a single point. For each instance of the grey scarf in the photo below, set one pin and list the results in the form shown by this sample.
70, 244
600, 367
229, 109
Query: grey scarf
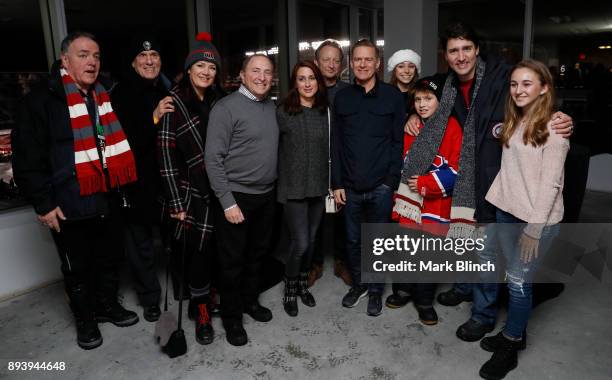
425, 147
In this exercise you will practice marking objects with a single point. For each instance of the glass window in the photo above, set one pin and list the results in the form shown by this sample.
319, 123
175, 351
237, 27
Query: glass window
380, 31
576, 44
320, 20
377, 36
22, 35
114, 22
241, 28
365, 23
499, 25
21, 68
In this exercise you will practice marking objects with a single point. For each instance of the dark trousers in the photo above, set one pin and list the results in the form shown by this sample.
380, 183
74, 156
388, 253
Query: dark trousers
463, 288
303, 219
335, 224
197, 275
370, 207
200, 264
139, 252
422, 293
90, 251
241, 248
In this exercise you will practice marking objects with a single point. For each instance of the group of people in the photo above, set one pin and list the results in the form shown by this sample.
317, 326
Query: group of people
103, 164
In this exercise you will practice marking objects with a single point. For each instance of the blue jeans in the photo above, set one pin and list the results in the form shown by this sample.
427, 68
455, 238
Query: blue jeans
370, 207
518, 274
484, 306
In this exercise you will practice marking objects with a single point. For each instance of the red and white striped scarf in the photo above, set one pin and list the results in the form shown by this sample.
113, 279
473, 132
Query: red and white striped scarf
117, 154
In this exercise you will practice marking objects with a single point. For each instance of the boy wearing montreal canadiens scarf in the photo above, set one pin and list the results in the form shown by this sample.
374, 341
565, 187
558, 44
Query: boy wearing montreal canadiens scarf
425, 197
70, 160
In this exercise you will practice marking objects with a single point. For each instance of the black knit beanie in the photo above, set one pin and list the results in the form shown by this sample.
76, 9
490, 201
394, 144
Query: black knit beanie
434, 83
203, 50
141, 43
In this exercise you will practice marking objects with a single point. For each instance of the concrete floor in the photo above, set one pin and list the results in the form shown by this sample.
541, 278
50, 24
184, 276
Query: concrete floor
570, 337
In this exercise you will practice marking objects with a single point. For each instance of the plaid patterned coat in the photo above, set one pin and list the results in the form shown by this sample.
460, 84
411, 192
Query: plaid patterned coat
180, 149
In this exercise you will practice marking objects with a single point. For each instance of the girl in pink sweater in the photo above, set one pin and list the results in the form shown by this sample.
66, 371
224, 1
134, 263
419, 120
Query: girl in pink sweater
528, 195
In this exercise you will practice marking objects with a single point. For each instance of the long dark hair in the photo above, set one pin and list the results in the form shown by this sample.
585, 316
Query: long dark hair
292, 103
188, 94
393, 80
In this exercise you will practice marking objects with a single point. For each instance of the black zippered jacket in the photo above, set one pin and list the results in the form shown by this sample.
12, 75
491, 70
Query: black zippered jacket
367, 137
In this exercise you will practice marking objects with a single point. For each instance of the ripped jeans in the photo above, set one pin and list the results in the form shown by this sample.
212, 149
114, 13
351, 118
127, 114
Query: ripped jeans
518, 274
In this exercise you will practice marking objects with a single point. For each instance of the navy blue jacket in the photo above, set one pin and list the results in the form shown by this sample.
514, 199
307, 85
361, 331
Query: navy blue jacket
43, 154
490, 106
367, 137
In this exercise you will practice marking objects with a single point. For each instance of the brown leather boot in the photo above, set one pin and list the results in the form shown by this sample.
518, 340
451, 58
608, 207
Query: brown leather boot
316, 271
340, 270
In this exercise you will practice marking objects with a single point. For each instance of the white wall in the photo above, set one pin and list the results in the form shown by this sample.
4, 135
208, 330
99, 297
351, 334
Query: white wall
413, 25
28, 258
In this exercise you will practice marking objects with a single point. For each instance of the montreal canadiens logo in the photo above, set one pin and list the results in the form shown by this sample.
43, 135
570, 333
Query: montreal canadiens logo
496, 131
438, 161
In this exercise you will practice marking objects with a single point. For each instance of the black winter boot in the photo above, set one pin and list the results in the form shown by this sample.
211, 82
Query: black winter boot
110, 310
492, 343
305, 295
88, 334
504, 360
427, 315
397, 299
290, 299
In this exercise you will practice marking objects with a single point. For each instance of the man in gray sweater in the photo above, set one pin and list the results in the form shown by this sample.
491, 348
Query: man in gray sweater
241, 162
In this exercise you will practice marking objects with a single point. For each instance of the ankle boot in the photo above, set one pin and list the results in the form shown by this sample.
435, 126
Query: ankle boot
203, 326
290, 299
504, 359
193, 307
305, 295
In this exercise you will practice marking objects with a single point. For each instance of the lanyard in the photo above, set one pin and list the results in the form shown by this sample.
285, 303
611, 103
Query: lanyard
99, 129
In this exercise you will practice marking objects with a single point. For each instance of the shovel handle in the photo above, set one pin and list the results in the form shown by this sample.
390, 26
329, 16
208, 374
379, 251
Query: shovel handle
180, 312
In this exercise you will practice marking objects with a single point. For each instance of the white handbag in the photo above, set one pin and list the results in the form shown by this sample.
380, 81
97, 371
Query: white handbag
330, 202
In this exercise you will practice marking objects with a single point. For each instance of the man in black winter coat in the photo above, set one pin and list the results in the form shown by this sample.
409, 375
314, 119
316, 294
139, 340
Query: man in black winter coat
68, 162
140, 100
461, 51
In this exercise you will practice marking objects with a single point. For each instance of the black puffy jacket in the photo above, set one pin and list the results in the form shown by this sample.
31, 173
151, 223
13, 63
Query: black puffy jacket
490, 104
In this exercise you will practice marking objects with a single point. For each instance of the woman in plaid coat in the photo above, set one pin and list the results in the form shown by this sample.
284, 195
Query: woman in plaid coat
181, 141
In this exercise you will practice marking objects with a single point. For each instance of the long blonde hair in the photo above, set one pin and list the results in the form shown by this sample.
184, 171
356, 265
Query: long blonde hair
541, 111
